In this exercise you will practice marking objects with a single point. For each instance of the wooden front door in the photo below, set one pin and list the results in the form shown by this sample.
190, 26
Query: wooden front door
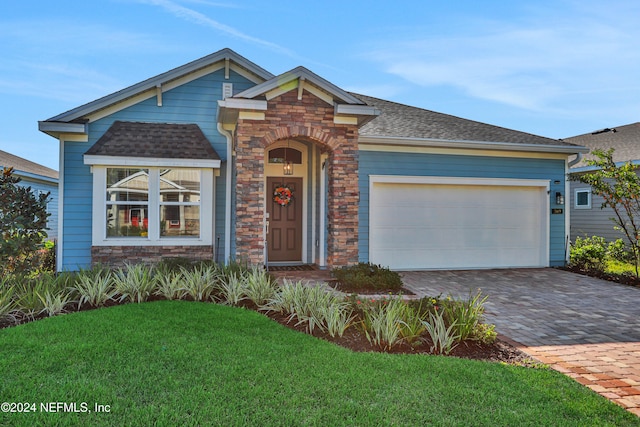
284, 236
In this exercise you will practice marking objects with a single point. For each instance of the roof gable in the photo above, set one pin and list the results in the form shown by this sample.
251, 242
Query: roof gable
299, 78
224, 58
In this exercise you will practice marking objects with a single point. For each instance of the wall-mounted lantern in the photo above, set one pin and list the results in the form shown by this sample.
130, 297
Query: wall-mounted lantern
559, 198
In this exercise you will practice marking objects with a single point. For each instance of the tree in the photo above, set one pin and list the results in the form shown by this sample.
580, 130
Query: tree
23, 219
619, 186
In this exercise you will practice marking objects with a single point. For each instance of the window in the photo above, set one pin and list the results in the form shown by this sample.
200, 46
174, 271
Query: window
127, 202
152, 205
279, 155
179, 203
583, 198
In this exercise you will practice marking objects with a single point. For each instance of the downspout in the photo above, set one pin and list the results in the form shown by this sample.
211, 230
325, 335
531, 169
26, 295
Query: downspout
576, 160
227, 203
567, 222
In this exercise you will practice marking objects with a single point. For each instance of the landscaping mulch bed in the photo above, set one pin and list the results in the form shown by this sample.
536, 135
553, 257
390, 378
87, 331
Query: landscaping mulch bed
355, 340
623, 279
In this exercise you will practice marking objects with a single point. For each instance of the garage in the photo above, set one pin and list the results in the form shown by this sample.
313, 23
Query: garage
458, 223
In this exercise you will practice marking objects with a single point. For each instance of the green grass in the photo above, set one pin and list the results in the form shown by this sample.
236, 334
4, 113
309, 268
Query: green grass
172, 363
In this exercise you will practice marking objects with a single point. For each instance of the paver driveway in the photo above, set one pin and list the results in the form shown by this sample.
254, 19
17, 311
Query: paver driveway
585, 327
543, 306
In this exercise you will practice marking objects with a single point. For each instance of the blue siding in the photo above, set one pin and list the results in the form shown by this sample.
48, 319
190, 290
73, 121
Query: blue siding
193, 102
386, 163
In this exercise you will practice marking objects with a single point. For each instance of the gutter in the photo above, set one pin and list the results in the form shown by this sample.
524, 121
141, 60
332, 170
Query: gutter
478, 145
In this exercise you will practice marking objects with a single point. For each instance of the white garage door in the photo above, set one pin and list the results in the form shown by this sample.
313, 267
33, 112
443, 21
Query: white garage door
454, 223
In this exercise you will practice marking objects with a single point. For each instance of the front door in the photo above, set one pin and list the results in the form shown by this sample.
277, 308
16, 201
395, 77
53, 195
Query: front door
284, 235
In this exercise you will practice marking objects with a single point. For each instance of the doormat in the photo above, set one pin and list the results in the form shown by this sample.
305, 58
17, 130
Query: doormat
304, 267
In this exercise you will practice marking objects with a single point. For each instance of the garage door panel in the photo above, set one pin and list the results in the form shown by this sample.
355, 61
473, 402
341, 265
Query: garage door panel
457, 226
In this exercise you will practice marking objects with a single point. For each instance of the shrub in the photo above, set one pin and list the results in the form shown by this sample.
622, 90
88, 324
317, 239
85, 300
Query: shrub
444, 338
168, 284
23, 219
231, 288
134, 282
368, 276
7, 303
465, 315
199, 282
173, 265
260, 286
313, 306
94, 287
617, 251
589, 253
382, 322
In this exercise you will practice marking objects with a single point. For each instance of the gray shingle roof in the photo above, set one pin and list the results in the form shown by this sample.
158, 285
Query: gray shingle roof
625, 140
154, 140
24, 165
403, 121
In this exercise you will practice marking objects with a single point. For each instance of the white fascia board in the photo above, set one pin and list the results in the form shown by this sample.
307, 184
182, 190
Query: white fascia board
484, 145
356, 110
243, 104
53, 127
150, 162
299, 73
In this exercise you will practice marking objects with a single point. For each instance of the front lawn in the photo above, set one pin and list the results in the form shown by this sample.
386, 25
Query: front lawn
189, 363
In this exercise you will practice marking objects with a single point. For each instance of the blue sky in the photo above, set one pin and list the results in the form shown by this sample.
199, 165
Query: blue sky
553, 68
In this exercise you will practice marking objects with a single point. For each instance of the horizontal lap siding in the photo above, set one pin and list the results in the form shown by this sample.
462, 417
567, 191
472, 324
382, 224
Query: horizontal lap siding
594, 221
414, 164
194, 102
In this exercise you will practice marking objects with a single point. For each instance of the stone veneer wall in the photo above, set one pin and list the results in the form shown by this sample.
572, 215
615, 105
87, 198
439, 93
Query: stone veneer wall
116, 256
309, 119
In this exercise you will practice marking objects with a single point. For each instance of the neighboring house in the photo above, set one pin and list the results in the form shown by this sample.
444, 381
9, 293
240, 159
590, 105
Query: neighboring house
202, 161
41, 179
587, 217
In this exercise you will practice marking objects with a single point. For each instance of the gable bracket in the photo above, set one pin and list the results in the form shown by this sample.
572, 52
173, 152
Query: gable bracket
300, 88
159, 94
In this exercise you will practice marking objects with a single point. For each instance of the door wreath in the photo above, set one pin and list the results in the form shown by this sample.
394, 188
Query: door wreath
283, 195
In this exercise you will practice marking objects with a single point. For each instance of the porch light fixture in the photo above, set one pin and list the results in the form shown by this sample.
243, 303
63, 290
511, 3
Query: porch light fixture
559, 198
287, 166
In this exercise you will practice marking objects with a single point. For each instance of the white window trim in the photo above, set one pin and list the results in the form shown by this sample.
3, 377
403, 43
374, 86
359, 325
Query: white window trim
99, 229
575, 198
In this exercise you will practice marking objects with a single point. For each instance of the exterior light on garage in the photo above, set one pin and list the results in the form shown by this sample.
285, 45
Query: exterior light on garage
559, 198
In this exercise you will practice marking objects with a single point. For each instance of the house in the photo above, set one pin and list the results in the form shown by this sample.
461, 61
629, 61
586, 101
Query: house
220, 159
41, 179
587, 217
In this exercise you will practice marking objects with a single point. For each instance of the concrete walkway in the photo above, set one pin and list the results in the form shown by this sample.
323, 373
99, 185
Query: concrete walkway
584, 327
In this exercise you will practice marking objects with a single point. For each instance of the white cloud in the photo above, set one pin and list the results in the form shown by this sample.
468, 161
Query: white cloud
194, 16
552, 58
